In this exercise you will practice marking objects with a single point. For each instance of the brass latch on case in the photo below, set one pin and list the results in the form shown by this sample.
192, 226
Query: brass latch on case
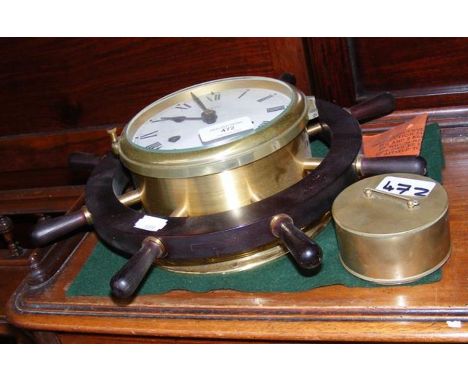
410, 202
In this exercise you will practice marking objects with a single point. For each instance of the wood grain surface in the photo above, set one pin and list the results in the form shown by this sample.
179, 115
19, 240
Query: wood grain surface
54, 90
56, 84
411, 65
24, 207
41, 160
39, 200
12, 273
420, 313
331, 70
421, 72
58, 95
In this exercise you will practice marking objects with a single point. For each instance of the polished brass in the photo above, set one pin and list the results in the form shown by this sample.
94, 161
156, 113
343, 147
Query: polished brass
87, 215
227, 190
311, 163
275, 223
358, 165
388, 239
314, 129
205, 161
409, 201
114, 140
220, 178
128, 199
178, 213
246, 260
158, 242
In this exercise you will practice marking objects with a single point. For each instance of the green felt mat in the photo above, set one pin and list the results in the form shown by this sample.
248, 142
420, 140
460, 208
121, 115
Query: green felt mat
280, 275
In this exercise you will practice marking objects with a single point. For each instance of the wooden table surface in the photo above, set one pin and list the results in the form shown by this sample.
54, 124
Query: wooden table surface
425, 313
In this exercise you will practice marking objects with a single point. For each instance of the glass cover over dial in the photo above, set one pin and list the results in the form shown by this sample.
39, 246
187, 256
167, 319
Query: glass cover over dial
197, 118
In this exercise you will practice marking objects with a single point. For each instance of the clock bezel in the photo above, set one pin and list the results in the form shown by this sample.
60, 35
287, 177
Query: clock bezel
210, 160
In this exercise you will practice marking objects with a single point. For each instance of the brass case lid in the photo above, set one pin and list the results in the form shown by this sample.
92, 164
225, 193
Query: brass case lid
184, 164
392, 238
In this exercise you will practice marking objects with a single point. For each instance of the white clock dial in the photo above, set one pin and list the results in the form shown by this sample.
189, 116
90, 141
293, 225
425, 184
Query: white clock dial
211, 119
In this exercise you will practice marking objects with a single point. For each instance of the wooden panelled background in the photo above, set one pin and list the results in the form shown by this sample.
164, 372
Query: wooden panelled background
420, 72
58, 95
66, 83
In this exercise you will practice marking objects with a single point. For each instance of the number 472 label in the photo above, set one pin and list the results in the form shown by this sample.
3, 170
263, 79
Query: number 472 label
405, 186
225, 129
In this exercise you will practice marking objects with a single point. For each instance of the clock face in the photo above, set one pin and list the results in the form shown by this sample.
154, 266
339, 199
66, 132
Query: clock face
208, 118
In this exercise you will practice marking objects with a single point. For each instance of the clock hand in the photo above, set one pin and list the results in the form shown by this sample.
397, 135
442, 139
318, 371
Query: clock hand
199, 102
208, 115
149, 135
180, 118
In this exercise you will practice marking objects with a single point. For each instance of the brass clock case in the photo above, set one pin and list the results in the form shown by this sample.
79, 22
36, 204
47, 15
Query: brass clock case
390, 239
220, 178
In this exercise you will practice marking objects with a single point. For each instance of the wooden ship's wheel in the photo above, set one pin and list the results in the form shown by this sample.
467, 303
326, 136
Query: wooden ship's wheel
227, 183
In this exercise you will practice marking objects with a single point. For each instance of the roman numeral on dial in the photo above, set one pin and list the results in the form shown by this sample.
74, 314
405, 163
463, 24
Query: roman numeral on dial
265, 98
154, 146
276, 108
244, 93
183, 106
213, 97
263, 124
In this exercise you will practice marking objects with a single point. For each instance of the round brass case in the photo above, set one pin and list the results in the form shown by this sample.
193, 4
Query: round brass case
227, 190
389, 239
220, 178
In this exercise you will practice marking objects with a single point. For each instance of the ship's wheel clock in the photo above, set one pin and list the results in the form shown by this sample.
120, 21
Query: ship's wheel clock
219, 177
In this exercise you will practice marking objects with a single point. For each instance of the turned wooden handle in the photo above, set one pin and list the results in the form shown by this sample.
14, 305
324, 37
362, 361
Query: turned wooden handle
305, 251
50, 230
374, 107
126, 281
385, 165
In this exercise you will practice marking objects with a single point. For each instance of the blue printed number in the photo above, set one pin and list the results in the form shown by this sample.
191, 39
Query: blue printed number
403, 187
388, 186
421, 191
